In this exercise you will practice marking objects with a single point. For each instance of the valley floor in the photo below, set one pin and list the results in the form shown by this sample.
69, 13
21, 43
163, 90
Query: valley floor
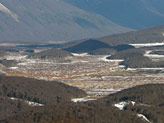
96, 75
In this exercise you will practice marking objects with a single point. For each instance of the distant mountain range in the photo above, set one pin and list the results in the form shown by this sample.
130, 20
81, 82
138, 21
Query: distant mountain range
66, 20
51, 20
136, 14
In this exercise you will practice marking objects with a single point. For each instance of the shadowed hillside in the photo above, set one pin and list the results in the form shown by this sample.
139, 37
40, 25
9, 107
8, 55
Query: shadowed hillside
92, 45
103, 51
87, 46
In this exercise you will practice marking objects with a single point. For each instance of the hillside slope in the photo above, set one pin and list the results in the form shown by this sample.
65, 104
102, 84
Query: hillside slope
135, 14
148, 35
92, 45
142, 104
50, 20
18, 94
44, 92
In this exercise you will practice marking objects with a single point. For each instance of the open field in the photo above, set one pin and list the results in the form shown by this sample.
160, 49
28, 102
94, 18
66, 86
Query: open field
95, 74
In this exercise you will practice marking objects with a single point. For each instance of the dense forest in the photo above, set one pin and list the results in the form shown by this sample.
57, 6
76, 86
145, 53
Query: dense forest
40, 91
51, 54
148, 101
134, 58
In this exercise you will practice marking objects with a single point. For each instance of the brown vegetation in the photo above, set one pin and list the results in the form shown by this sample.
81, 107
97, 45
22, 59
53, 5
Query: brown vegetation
148, 101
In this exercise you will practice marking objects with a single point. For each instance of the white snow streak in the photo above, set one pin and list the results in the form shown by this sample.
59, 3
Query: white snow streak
27, 102
81, 54
143, 117
153, 55
147, 44
13, 68
7, 11
81, 100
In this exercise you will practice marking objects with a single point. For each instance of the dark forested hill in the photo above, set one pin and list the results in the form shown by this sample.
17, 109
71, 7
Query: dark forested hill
93, 45
87, 46
45, 92
147, 101
134, 58
15, 92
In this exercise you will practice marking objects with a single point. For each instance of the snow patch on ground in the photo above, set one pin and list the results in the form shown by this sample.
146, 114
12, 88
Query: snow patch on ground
27, 102
153, 55
147, 44
33, 103
121, 105
150, 68
145, 69
13, 68
17, 58
81, 54
105, 59
81, 100
144, 118
121, 66
116, 60
131, 69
